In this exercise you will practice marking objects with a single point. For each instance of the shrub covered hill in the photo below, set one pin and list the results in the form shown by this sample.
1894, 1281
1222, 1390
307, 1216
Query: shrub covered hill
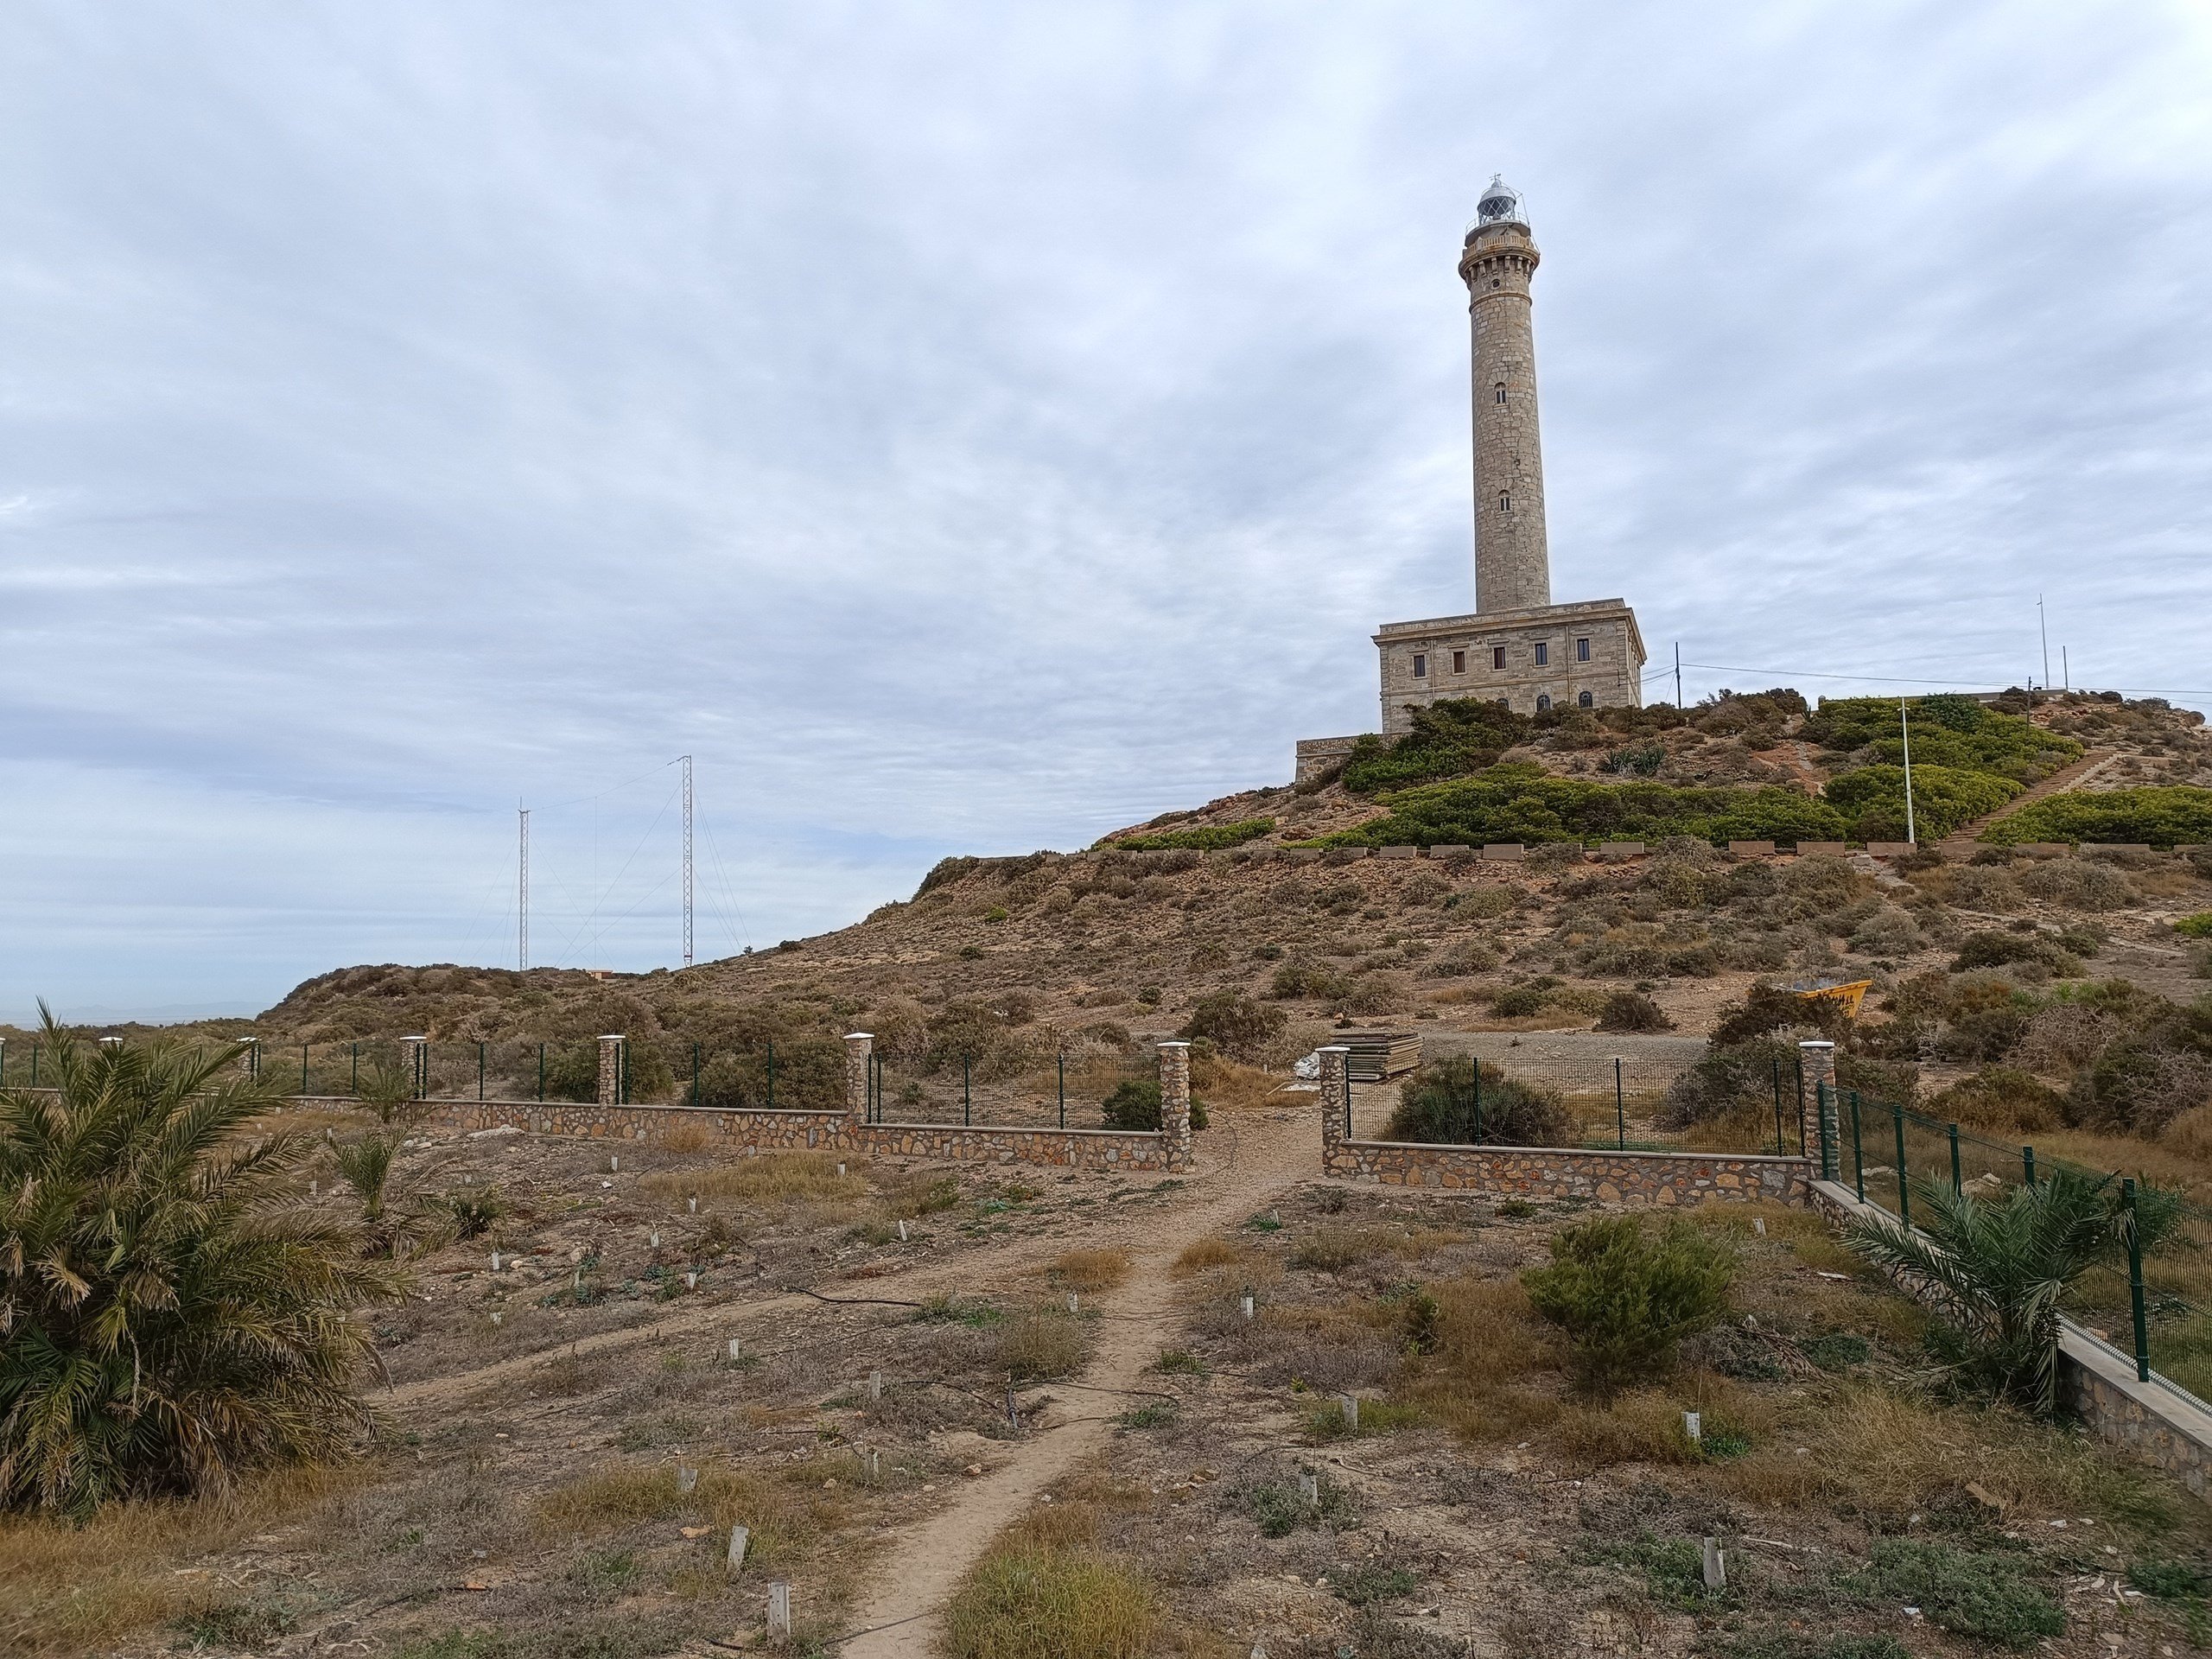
2067, 987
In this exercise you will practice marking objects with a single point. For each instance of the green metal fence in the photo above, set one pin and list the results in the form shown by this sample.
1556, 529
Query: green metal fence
2158, 1307
1068, 1090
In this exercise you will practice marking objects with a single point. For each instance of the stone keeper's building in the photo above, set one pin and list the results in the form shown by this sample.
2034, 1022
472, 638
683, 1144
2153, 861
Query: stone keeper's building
1516, 647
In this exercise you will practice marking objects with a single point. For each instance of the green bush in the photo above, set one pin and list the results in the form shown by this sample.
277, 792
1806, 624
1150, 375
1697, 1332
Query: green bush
1949, 731
1736, 1076
1632, 1011
2174, 815
2198, 926
1449, 739
1521, 801
1437, 1105
1990, 1594
1993, 948
1943, 799
1234, 1024
1134, 1104
1625, 1297
1307, 979
1205, 838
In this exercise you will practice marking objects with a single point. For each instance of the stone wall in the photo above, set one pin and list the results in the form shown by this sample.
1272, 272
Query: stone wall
746, 1131
1629, 1178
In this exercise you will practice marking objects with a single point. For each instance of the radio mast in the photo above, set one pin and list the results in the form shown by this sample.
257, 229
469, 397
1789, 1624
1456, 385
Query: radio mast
522, 906
687, 860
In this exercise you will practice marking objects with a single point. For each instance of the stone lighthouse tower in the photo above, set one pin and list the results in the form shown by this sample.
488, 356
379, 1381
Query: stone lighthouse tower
1516, 647
1512, 562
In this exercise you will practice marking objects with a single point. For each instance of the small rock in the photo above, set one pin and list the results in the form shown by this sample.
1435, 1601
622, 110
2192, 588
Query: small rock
974, 1469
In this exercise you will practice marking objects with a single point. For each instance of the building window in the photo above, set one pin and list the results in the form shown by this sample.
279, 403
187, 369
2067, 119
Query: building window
1497, 395
1459, 662
1543, 654
1581, 651
1420, 666
1498, 656
1504, 502
1582, 699
1543, 701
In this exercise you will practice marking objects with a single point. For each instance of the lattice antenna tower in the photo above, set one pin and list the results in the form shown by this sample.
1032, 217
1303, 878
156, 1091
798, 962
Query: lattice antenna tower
522, 890
687, 860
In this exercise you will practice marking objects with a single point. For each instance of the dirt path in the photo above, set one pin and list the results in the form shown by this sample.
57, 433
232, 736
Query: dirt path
1966, 840
922, 1564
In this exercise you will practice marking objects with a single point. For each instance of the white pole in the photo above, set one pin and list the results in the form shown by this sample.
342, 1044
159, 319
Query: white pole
2043, 628
1904, 721
522, 898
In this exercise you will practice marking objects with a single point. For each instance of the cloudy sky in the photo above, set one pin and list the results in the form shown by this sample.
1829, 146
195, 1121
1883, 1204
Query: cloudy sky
973, 427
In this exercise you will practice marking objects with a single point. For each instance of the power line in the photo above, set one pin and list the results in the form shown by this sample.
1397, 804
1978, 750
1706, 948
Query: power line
1896, 679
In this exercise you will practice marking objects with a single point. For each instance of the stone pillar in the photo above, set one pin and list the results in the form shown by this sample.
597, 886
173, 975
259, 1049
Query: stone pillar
414, 1061
859, 1045
1336, 1102
1175, 1102
1816, 1106
610, 1070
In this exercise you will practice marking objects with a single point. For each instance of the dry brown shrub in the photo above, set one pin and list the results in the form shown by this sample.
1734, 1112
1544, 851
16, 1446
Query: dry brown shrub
1090, 1270
1208, 1253
610, 1499
687, 1135
1227, 1083
1041, 1345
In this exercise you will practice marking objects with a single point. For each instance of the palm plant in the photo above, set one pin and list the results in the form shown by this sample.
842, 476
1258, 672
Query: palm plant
392, 1222
1996, 1270
171, 1316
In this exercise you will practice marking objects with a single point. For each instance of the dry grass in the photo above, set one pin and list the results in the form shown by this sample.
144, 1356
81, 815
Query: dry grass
789, 1518
1488, 1380
1045, 1591
1226, 1085
1209, 1253
773, 1180
1331, 1248
73, 1589
685, 1135
1090, 1270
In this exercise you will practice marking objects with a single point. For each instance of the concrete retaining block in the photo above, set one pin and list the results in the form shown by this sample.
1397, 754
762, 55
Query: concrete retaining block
1504, 852
1621, 849
1398, 852
1751, 850
1889, 848
1822, 848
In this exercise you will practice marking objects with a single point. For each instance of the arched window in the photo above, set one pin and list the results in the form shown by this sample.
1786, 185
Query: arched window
1504, 502
1497, 393
1582, 699
1543, 701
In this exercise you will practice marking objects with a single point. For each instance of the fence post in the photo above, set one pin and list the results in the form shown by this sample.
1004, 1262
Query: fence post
415, 1060
357, 1067
967, 1105
1958, 1186
2135, 1282
1062, 1060
1774, 1068
2028, 1163
541, 1074
694, 1074
34, 1065
1175, 1102
1336, 1103
771, 1074
609, 1092
1816, 1109
860, 1054
303, 1068
479, 1072
1478, 1099
4, 1062
1905, 1192
1620, 1108
1857, 1151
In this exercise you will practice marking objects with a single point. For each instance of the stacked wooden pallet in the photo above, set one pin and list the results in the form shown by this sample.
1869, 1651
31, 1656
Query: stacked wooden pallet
1376, 1055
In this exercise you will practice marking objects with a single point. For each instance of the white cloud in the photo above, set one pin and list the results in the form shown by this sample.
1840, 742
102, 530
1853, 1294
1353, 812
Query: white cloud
969, 429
